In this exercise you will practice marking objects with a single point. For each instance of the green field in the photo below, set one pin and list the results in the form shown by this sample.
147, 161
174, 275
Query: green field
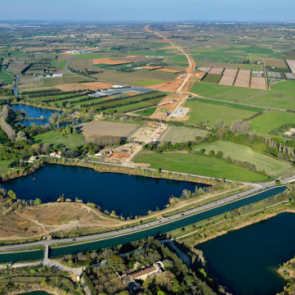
90, 56
149, 82
4, 166
62, 64
212, 78
201, 165
242, 153
231, 105
231, 54
147, 112
53, 138
285, 86
250, 67
200, 112
87, 101
271, 120
62, 80
151, 52
138, 105
223, 92
272, 99
179, 59
53, 63
182, 134
4, 76
129, 107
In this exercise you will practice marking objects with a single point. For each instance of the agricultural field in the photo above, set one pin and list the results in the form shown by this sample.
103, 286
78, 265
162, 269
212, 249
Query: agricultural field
53, 63
147, 112
243, 79
212, 78
4, 76
272, 167
107, 128
182, 134
62, 80
272, 99
271, 120
197, 164
149, 82
230, 105
277, 63
53, 138
228, 77
63, 63
258, 83
222, 92
89, 56
211, 113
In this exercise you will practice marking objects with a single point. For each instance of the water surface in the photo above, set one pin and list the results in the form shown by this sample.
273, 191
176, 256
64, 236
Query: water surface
34, 112
142, 234
128, 195
246, 260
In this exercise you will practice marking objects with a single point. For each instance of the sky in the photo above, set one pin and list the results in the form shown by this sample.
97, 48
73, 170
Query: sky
150, 10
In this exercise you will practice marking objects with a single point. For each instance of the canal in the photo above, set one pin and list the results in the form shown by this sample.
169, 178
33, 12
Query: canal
15, 257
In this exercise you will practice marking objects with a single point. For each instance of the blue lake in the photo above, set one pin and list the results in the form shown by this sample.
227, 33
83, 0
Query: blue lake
126, 194
246, 260
34, 112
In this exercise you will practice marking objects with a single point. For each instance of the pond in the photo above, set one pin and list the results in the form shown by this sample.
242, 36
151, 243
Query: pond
126, 194
246, 260
34, 112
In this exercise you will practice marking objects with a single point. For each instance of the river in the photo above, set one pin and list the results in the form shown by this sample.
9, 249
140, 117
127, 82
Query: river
128, 195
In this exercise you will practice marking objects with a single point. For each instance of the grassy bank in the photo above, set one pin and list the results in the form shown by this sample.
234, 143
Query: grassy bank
197, 164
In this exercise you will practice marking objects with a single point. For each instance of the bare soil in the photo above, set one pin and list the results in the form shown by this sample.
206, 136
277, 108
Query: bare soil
107, 128
84, 86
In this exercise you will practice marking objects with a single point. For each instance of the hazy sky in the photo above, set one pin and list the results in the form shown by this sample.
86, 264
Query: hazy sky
149, 10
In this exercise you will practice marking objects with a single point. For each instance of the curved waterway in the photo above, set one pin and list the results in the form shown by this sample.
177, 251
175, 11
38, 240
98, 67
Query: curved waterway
246, 260
128, 195
140, 235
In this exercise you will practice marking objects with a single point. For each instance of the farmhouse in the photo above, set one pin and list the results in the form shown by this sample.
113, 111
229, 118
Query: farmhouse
56, 155
130, 277
290, 132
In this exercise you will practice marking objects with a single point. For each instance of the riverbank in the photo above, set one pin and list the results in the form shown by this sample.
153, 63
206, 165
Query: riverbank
38, 106
222, 224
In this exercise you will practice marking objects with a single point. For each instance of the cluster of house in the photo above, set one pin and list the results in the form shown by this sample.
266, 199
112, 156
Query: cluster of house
132, 277
291, 132
56, 155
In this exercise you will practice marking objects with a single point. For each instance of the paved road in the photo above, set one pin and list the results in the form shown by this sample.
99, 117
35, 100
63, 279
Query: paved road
256, 189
